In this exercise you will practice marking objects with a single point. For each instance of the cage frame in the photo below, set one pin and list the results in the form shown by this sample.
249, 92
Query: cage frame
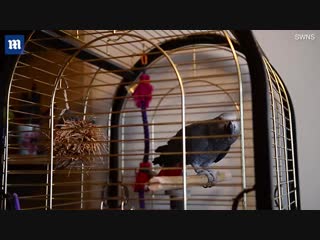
247, 45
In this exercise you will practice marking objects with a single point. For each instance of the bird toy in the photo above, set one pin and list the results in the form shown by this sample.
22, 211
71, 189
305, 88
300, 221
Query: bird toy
142, 96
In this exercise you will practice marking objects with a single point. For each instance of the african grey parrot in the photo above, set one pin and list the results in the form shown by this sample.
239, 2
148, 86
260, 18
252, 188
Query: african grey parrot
217, 135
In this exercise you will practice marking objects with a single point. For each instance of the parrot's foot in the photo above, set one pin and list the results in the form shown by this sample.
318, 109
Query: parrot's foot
211, 175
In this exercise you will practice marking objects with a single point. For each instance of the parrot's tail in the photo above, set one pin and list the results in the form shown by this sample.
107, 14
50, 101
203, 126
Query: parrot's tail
163, 148
171, 166
158, 160
168, 170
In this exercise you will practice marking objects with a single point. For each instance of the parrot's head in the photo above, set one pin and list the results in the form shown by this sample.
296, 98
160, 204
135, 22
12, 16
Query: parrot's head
231, 124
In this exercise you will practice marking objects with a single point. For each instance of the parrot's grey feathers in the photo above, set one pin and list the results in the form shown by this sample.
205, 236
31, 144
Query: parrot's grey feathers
222, 155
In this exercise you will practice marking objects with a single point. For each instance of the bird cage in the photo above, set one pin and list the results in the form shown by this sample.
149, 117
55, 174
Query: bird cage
146, 120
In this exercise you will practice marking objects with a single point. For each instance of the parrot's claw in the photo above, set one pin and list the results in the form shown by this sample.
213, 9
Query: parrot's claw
211, 179
210, 175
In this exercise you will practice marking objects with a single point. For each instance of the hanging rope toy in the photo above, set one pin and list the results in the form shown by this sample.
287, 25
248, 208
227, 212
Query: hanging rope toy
77, 142
142, 96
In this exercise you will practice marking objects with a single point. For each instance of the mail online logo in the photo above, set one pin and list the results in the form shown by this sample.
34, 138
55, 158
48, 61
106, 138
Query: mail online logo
13, 44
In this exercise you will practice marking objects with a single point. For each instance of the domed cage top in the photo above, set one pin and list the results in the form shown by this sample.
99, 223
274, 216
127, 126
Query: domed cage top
146, 119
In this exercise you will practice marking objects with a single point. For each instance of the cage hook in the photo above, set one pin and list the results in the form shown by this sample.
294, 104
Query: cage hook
65, 95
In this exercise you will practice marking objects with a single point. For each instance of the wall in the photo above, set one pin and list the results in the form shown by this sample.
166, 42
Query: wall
297, 62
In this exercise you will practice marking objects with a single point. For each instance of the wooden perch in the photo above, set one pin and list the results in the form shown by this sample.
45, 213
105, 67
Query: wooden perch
176, 182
